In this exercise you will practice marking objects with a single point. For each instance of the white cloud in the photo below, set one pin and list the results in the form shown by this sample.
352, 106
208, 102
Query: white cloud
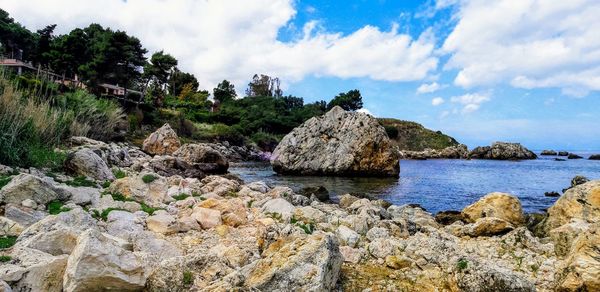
437, 101
366, 111
429, 88
233, 40
471, 101
526, 43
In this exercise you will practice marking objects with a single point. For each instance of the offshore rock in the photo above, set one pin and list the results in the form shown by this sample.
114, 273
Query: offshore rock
338, 143
502, 151
451, 152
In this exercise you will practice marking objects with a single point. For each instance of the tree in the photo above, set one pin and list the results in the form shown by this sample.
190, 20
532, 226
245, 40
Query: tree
350, 101
178, 80
17, 41
224, 91
42, 55
264, 85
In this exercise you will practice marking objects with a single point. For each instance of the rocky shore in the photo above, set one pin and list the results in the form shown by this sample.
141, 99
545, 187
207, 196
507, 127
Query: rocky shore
121, 219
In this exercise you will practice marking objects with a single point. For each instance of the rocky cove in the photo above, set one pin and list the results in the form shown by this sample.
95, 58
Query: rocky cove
168, 217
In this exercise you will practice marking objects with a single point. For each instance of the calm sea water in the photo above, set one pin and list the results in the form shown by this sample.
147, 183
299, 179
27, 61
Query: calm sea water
448, 184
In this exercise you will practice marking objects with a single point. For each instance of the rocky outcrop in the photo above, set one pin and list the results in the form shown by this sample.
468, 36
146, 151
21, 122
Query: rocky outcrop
580, 202
337, 143
86, 162
498, 205
574, 156
451, 152
594, 157
163, 141
502, 151
549, 153
203, 154
563, 153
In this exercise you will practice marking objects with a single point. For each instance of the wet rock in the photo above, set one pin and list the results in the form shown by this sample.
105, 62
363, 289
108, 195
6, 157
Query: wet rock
309, 264
552, 194
163, 141
574, 156
337, 143
449, 217
563, 153
499, 205
594, 157
86, 162
502, 151
579, 180
320, 192
549, 153
203, 154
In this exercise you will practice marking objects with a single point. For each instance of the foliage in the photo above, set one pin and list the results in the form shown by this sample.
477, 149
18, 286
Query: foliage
81, 181
188, 278
179, 79
264, 85
104, 214
350, 101
56, 207
7, 241
413, 136
265, 140
119, 174
308, 228
462, 264
224, 92
181, 197
4, 180
148, 209
5, 258
149, 178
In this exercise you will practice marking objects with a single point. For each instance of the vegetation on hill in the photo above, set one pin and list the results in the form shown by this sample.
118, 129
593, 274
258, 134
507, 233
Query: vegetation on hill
413, 136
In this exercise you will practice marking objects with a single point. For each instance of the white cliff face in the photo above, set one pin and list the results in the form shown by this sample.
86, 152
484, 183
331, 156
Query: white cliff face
337, 143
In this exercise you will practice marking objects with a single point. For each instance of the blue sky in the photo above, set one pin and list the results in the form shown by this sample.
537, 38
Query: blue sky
513, 70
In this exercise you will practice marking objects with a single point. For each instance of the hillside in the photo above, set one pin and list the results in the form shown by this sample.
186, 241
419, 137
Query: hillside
413, 136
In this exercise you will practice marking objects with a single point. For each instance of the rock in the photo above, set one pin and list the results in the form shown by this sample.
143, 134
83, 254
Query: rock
499, 205
483, 277
337, 143
279, 206
488, 226
579, 180
86, 162
398, 262
347, 236
559, 159
549, 153
351, 255
311, 263
377, 232
564, 236
574, 156
207, 218
33, 270
219, 186
57, 234
450, 152
203, 154
594, 157
347, 200
9, 227
100, 262
29, 203
173, 166
320, 192
124, 224
502, 151
580, 202
563, 153
26, 186
309, 215
551, 194
4, 287
162, 223
163, 141
449, 217
153, 194
581, 269
22, 215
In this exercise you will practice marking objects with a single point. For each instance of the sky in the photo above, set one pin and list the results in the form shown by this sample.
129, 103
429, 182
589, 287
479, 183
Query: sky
481, 71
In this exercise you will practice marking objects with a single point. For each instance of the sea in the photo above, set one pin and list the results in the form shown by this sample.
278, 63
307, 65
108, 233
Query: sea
447, 184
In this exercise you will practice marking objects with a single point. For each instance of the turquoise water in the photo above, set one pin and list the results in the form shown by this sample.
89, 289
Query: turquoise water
447, 184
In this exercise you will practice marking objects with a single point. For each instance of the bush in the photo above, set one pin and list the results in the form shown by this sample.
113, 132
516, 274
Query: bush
391, 131
265, 141
7, 241
56, 207
148, 178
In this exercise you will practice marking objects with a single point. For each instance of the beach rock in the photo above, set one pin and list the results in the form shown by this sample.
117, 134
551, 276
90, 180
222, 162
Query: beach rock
100, 260
502, 151
168, 166
34, 270
483, 277
594, 157
488, 226
162, 141
499, 205
279, 206
449, 217
9, 227
162, 223
559, 159
574, 156
207, 218
27, 186
203, 154
219, 186
580, 202
320, 192
581, 269
337, 143
310, 263
86, 162
579, 180
549, 152
347, 236
133, 187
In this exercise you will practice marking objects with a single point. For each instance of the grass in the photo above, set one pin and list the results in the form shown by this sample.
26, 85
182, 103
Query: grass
188, 278
104, 214
181, 197
81, 181
121, 198
462, 264
148, 209
7, 241
56, 207
4, 180
148, 178
106, 184
308, 228
4, 259
119, 174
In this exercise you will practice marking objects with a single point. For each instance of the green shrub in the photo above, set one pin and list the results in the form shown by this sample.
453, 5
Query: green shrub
7, 241
81, 181
265, 141
148, 209
56, 207
181, 197
149, 178
120, 197
119, 174
391, 131
462, 264
104, 214
4, 259
188, 278
4, 180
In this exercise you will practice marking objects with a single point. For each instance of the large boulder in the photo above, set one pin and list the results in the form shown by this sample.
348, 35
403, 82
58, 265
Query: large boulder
498, 205
203, 154
337, 143
101, 262
33, 270
502, 151
168, 166
163, 141
581, 269
27, 186
86, 162
298, 264
580, 202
